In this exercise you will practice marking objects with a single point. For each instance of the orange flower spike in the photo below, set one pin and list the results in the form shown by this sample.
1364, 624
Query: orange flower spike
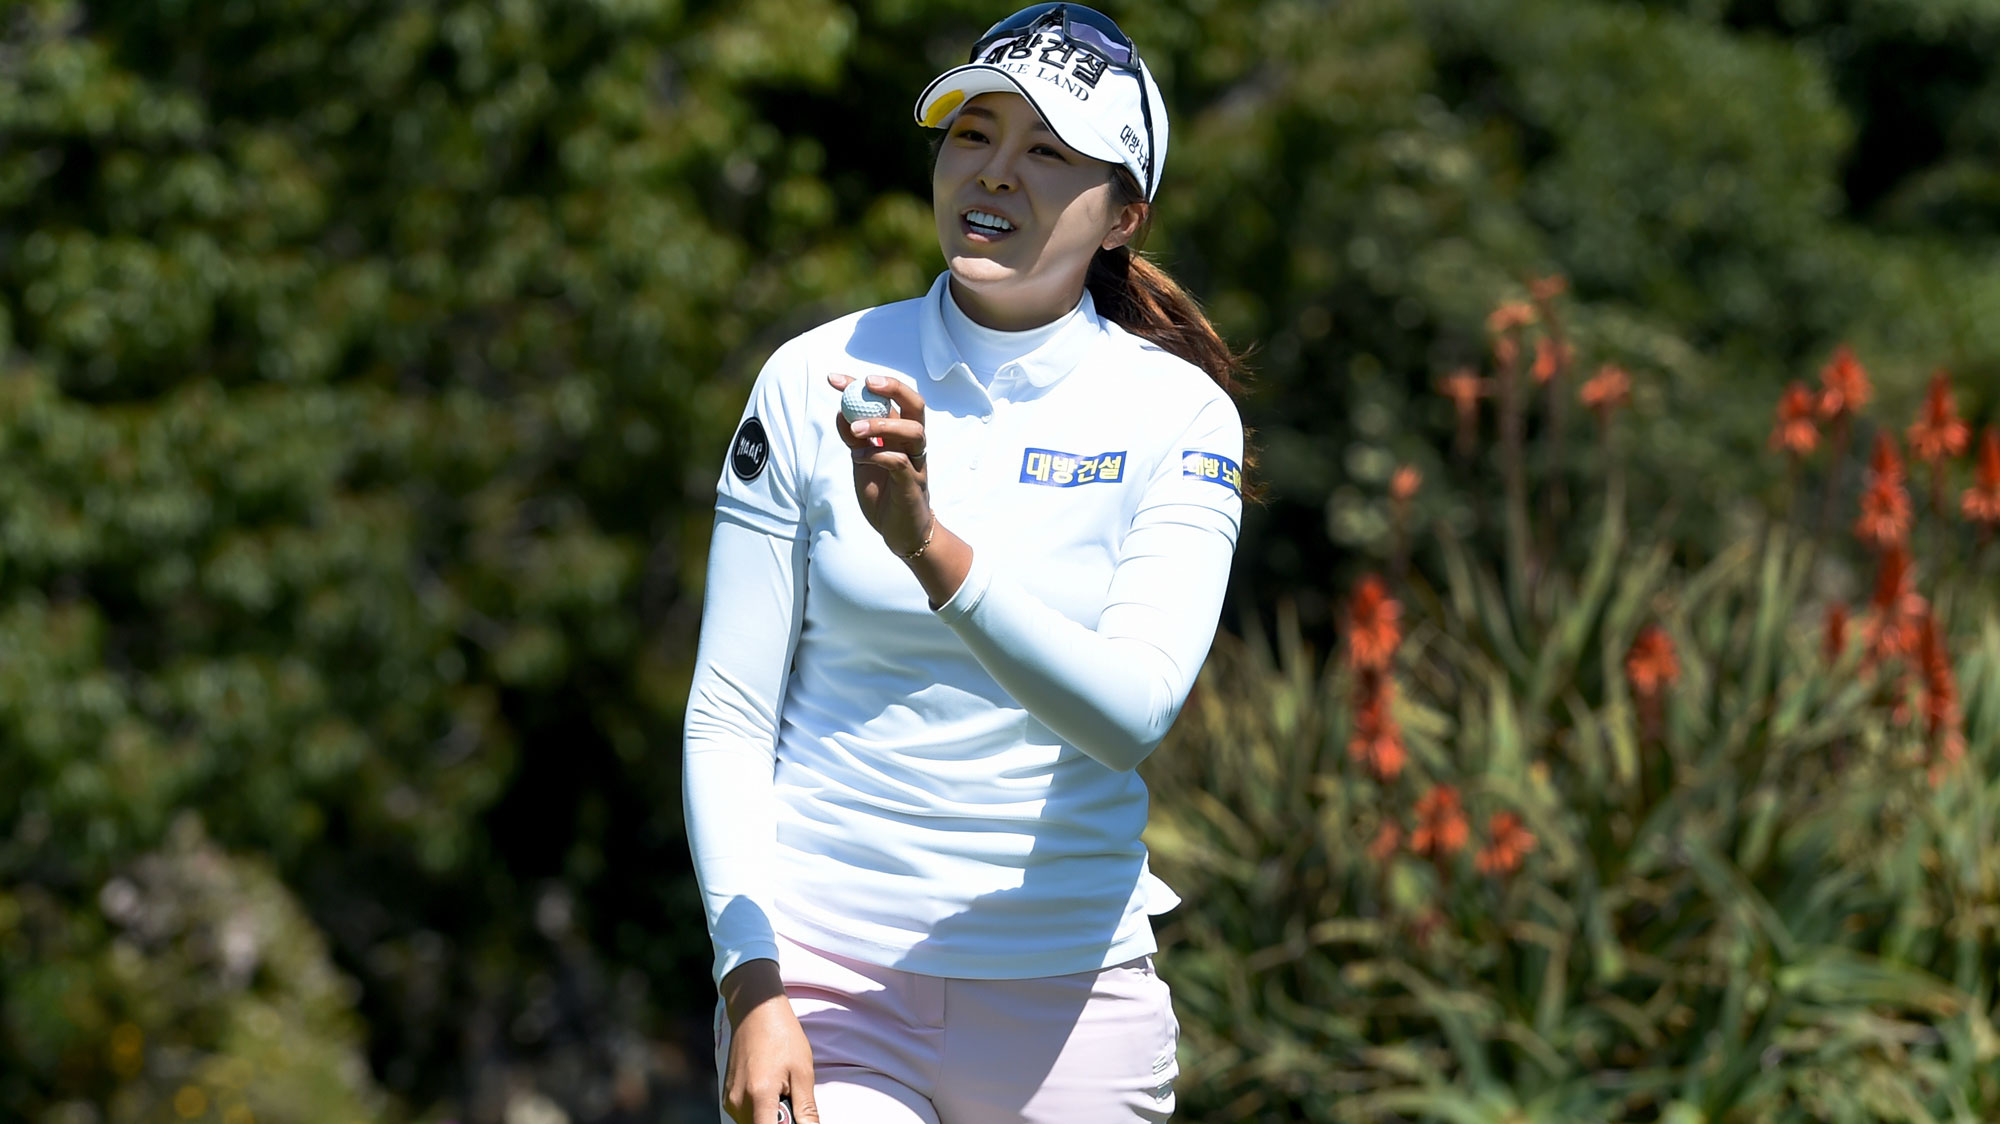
1504, 324
1885, 515
1374, 630
1377, 746
1404, 483
1510, 841
1510, 316
1836, 631
1844, 385
1896, 608
1885, 502
1981, 502
1795, 432
1610, 388
1464, 388
1550, 359
1441, 826
1941, 716
1892, 580
1938, 680
1548, 288
1388, 755
1939, 432
1377, 742
1885, 461
1651, 664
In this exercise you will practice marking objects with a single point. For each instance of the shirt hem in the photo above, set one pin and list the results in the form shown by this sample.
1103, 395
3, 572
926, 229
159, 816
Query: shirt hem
973, 966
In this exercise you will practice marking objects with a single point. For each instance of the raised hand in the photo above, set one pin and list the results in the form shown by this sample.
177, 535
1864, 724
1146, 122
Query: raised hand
890, 458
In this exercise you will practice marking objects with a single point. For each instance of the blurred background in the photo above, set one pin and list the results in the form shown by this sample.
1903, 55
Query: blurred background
366, 368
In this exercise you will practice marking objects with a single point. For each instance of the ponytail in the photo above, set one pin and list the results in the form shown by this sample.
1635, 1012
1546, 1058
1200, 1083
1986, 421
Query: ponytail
1141, 298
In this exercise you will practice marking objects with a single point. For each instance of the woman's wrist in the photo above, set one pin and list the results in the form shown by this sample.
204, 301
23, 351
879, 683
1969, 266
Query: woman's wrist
930, 535
750, 985
941, 564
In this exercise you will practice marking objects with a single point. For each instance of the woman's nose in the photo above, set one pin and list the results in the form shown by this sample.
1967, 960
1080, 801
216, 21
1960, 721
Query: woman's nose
998, 173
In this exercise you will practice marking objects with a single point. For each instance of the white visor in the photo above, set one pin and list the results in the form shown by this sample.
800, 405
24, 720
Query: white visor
1099, 110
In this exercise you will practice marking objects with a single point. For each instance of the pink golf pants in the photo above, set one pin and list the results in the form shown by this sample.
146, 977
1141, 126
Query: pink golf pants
892, 1047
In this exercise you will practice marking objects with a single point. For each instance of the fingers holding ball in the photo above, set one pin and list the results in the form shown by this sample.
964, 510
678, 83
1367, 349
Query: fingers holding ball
858, 403
884, 420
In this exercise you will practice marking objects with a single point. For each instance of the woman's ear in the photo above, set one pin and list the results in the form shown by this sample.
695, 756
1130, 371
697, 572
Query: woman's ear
1129, 218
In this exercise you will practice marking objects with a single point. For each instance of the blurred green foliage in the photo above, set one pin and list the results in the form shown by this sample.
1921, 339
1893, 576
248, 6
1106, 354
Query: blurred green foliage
365, 366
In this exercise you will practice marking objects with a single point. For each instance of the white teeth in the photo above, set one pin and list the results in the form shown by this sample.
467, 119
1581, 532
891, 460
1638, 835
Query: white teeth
990, 221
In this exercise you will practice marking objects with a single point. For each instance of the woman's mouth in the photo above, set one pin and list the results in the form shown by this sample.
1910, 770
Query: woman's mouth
985, 226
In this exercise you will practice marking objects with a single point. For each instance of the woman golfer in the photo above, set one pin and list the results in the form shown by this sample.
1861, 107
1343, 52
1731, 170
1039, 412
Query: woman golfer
937, 642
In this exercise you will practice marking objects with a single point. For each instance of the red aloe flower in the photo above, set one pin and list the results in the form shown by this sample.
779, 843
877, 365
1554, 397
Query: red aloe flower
1885, 461
1795, 432
1550, 359
1505, 324
1465, 389
1377, 741
1509, 316
1981, 502
1441, 827
1510, 840
1885, 514
1651, 664
1885, 504
1844, 385
1938, 431
1609, 389
1404, 483
1941, 716
1895, 610
1373, 629
1836, 631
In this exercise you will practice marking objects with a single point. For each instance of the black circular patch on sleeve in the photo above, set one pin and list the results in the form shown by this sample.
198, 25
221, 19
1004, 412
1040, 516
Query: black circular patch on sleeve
750, 451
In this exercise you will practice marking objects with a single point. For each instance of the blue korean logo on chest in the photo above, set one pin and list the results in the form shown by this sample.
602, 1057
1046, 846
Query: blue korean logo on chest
1053, 469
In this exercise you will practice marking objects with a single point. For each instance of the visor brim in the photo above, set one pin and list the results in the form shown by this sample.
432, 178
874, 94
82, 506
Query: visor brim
936, 107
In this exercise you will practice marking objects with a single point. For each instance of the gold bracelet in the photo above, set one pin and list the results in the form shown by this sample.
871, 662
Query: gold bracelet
919, 552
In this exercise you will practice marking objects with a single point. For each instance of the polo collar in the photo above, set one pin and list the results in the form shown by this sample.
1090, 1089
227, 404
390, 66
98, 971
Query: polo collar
1041, 367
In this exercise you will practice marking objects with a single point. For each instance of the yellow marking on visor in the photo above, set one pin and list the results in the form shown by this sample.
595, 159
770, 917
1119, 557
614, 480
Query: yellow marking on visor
944, 107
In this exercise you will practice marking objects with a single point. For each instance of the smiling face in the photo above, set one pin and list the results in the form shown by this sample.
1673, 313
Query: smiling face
1020, 214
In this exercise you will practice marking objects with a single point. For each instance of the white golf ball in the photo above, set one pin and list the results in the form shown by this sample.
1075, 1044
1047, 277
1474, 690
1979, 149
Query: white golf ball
857, 402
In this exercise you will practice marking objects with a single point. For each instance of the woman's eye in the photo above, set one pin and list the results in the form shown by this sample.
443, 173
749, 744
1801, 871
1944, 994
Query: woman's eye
1047, 150
970, 134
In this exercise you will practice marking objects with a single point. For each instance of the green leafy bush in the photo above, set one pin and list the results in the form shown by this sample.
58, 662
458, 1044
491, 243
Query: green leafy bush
196, 990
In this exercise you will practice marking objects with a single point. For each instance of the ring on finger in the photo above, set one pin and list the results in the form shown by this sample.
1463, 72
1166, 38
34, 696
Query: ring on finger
918, 458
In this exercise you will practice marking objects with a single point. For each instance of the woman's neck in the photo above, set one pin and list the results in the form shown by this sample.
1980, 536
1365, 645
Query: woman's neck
1007, 316
987, 349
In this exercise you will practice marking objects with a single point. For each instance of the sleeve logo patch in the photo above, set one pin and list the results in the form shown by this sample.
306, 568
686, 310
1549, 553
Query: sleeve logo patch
1052, 469
749, 450
1214, 468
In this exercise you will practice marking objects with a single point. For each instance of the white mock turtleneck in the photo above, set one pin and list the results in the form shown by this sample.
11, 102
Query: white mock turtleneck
986, 350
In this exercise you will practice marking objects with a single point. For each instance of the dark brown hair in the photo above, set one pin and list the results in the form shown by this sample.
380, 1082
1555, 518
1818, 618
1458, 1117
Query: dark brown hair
1141, 298
1138, 296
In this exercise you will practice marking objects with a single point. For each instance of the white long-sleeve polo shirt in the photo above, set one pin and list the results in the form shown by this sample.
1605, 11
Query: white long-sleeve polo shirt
951, 792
